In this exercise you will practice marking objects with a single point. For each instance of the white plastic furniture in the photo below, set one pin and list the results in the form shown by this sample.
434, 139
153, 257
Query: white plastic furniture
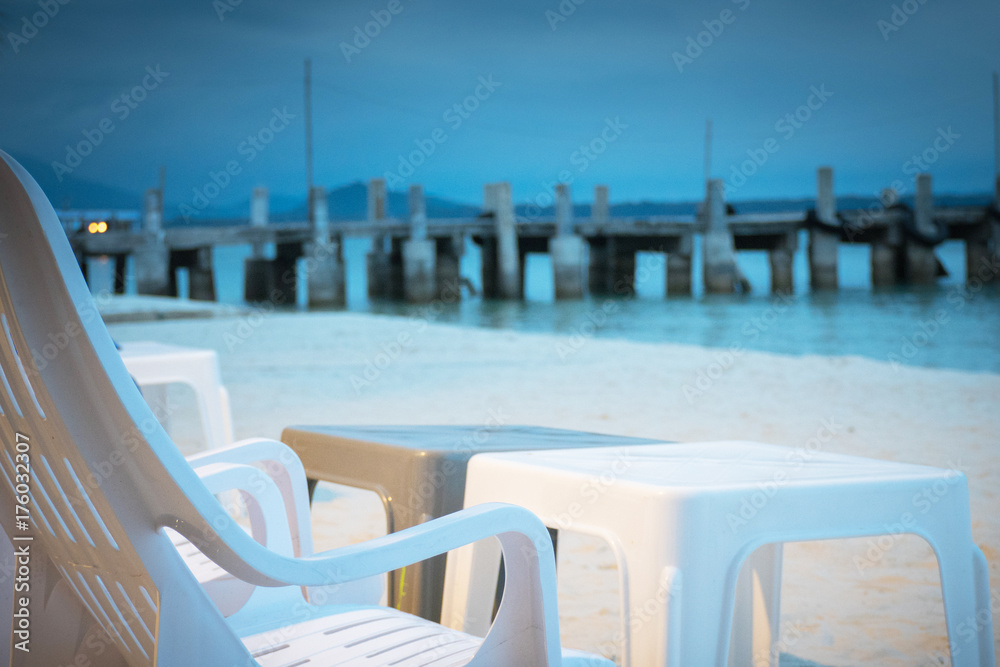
106, 481
155, 365
272, 483
682, 518
419, 473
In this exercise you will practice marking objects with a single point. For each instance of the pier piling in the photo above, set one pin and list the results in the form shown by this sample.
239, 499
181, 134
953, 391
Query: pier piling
502, 271
612, 266
379, 262
258, 271
201, 277
259, 211
284, 274
152, 258
886, 246
601, 212
449, 251
718, 251
781, 259
679, 267
921, 262
419, 259
325, 279
824, 238
982, 250
419, 253
566, 249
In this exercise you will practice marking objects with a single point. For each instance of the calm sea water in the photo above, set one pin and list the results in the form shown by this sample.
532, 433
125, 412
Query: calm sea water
950, 325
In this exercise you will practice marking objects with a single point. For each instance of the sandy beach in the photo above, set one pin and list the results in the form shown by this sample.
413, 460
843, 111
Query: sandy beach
840, 606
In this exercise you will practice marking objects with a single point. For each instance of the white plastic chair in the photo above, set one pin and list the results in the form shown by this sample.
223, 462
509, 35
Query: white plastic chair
694, 513
272, 483
105, 481
155, 365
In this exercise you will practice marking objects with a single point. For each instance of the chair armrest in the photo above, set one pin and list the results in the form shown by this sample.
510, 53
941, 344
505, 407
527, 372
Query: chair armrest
528, 614
264, 501
284, 468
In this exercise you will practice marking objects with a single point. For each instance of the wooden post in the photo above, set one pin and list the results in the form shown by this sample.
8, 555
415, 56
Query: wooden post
679, 267
566, 249
152, 259
718, 252
921, 262
419, 253
258, 271
324, 263
824, 239
379, 269
781, 258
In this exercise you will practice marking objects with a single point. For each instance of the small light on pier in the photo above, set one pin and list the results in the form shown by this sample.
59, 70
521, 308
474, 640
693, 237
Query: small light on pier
97, 227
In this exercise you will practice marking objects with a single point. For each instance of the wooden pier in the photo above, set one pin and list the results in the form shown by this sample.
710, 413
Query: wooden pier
417, 259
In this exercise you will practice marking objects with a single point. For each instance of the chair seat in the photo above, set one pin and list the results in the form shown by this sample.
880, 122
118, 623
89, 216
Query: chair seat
228, 592
372, 636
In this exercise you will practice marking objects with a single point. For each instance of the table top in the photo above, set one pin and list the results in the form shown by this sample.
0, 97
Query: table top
148, 348
708, 465
459, 438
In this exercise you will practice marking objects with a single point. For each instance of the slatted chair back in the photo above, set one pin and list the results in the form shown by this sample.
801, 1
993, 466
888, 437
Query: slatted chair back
86, 459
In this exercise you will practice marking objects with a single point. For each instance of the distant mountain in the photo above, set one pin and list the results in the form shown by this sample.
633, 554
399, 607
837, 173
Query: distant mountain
350, 202
73, 192
347, 202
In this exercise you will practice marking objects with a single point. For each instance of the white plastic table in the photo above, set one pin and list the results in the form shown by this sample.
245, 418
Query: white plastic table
682, 519
154, 364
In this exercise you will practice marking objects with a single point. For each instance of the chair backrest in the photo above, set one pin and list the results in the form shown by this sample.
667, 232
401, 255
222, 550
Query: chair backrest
102, 477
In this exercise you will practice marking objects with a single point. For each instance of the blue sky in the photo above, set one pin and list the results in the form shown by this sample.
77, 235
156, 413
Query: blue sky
601, 91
